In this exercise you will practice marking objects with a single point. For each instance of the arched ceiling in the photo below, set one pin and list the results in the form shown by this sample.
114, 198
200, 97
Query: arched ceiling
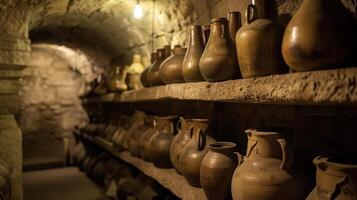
109, 26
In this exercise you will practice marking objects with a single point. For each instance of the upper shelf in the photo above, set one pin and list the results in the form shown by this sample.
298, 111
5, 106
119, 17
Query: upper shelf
325, 87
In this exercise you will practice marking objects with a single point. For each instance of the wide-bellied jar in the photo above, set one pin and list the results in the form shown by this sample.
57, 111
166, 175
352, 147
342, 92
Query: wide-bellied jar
180, 140
267, 172
336, 178
219, 59
160, 142
193, 152
171, 67
153, 75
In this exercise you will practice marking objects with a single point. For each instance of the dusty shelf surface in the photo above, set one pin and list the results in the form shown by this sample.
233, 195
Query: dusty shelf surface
325, 87
168, 178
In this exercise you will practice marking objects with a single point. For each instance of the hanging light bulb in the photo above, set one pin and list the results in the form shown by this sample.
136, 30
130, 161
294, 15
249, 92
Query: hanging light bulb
138, 11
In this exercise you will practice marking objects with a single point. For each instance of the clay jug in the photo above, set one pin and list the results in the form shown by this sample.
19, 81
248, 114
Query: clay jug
111, 170
265, 173
336, 179
320, 35
184, 128
133, 73
193, 152
102, 87
116, 81
171, 68
144, 139
160, 141
125, 123
153, 76
235, 22
143, 76
190, 65
259, 45
219, 59
206, 29
217, 169
138, 127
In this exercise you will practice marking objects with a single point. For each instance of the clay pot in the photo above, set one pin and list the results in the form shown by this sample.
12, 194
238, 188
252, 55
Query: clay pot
219, 59
5, 187
265, 173
235, 22
102, 86
206, 32
133, 73
153, 76
171, 68
111, 170
160, 141
193, 152
124, 125
217, 169
138, 127
190, 65
320, 35
336, 178
179, 141
145, 138
80, 158
116, 82
143, 76
259, 45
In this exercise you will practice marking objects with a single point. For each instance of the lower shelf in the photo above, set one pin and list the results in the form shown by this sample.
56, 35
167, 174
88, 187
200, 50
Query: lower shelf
168, 178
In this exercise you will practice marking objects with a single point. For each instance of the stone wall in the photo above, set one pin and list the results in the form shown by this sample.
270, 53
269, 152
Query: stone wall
51, 86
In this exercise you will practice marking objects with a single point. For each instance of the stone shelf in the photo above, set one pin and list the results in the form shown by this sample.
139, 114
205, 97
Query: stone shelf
325, 87
168, 178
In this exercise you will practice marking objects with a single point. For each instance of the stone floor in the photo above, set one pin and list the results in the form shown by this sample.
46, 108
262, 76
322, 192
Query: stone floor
59, 184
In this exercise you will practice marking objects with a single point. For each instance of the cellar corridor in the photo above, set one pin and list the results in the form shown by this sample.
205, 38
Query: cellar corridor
58, 184
178, 99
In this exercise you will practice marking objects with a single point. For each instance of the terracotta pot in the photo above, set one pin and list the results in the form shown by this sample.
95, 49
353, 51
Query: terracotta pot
102, 86
80, 158
5, 187
123, 127
133, 73
265, 173
145, 138
153, 76
98, 172
235, 22
138, 127
193, 152
111, 170
180, 140
219, 59
116, 82
171, 68
143, 76
160, 141
217, 169
190, 66
320, 35
259, 45
336, 179
206, 29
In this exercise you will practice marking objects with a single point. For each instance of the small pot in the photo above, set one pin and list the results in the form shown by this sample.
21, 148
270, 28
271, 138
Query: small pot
217, 169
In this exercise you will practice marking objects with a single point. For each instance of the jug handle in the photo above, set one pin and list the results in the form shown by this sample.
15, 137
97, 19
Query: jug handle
178, 125
287, 155
250, 149
223, 32
250, 14
201, 140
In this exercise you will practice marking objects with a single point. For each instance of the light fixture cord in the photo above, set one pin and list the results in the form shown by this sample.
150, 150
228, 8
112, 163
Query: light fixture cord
153, 26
